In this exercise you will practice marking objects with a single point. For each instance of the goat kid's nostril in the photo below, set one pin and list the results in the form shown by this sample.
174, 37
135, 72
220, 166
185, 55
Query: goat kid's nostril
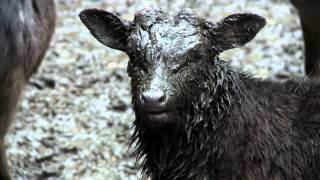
153, 97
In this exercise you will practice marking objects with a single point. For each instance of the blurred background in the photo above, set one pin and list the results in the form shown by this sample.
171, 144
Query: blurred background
74, 120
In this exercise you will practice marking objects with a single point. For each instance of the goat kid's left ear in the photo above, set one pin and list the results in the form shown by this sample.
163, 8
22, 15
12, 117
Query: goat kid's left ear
236, 30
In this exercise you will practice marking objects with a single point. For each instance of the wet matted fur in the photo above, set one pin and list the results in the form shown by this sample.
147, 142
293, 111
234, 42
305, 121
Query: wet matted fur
198, 119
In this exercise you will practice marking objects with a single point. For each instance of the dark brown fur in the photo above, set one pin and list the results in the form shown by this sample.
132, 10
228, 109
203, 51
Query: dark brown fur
309, 13
26, 27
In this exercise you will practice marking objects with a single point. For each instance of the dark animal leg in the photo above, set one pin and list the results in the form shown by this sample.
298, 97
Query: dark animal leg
25, 32
10, 90
4, 172
312, 51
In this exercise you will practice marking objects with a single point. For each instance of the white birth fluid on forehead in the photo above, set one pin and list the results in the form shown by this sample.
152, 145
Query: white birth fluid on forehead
163, 41
175, 39
169, 38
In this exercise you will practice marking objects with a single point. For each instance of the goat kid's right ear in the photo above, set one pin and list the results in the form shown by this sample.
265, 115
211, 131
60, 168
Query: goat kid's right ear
107, 28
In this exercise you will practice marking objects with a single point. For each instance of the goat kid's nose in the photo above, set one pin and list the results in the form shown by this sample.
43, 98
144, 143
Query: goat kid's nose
153, 97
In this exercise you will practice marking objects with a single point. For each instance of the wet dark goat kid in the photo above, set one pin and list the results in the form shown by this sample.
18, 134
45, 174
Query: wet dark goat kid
198, 119
26, 27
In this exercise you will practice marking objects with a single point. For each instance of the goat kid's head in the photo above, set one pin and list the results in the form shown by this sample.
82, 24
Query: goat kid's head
171, 57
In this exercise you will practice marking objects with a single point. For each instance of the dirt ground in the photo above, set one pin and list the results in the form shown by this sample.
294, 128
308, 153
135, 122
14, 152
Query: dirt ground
74, 120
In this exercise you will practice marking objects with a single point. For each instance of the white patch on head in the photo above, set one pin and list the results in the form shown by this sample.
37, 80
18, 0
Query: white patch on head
178, 38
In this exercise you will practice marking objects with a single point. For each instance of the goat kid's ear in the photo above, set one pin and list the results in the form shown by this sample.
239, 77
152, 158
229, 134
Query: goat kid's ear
236, 30
107, 28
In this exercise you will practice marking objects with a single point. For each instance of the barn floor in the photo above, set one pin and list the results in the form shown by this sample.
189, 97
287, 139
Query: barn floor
74, 120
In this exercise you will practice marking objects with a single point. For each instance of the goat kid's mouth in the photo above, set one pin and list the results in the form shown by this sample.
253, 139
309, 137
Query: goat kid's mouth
156, 114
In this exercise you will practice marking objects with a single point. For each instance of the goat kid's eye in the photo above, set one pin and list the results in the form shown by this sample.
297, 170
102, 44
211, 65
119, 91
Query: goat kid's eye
194, 57
175, 68
140, 67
